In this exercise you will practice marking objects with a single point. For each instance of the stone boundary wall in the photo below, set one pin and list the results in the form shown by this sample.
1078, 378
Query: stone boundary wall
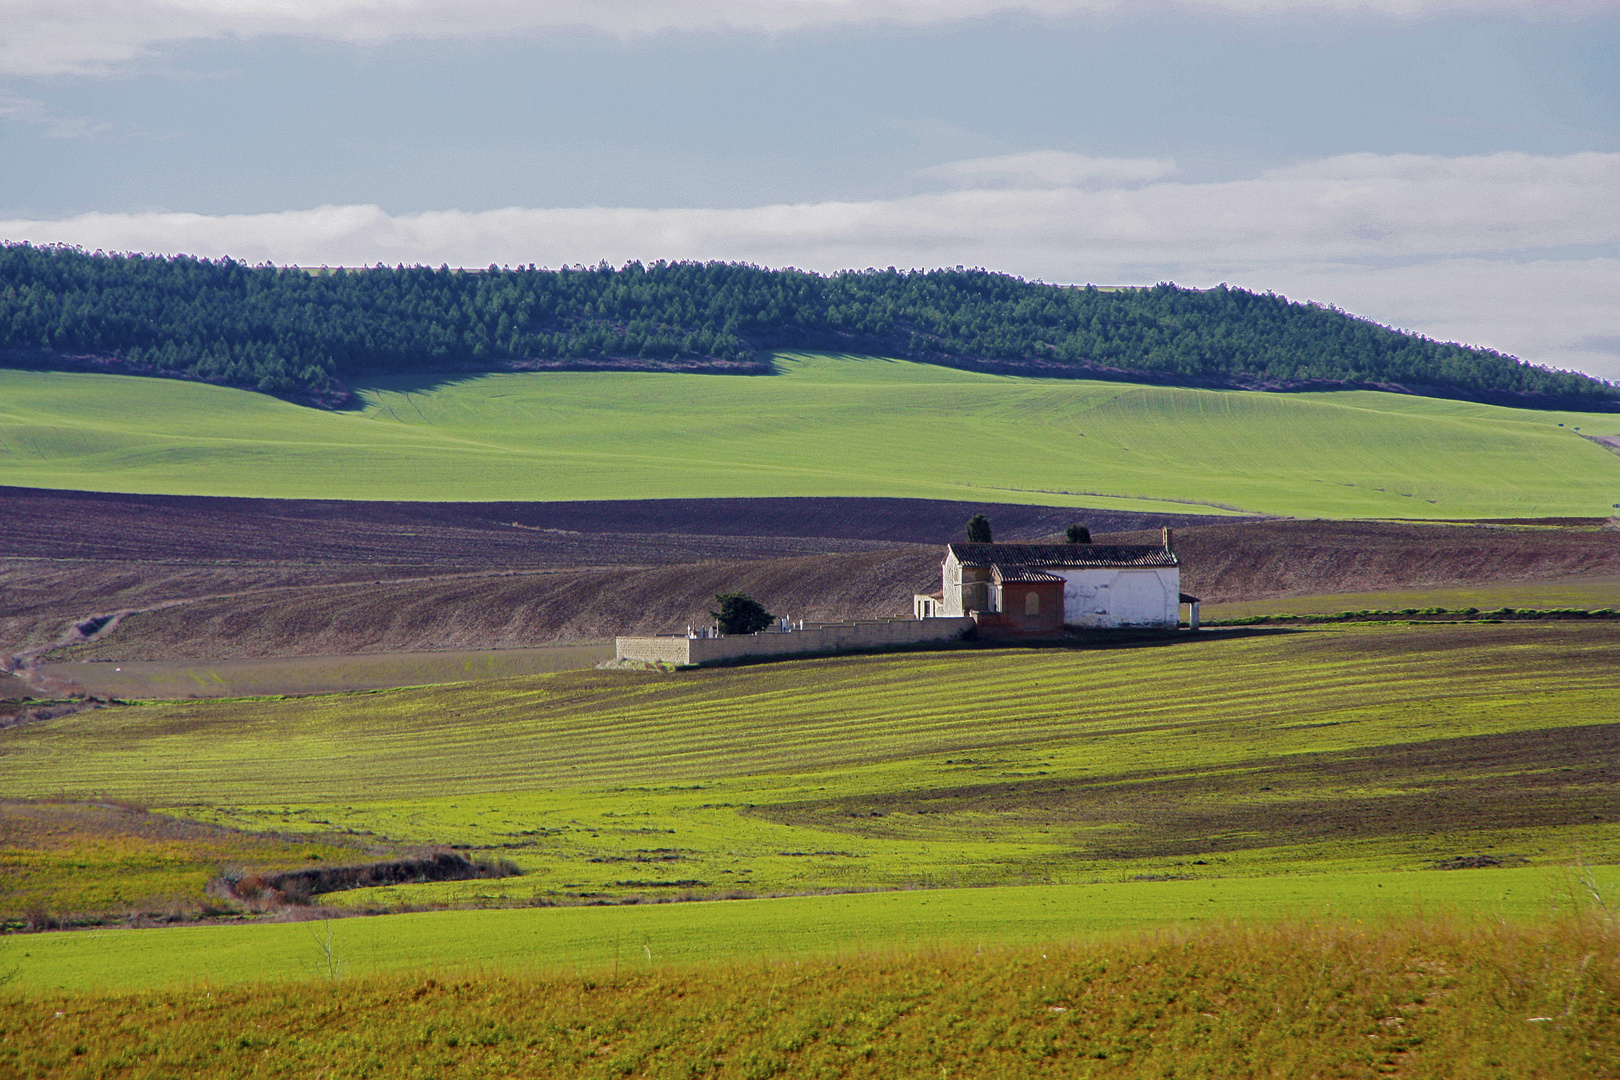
814, 638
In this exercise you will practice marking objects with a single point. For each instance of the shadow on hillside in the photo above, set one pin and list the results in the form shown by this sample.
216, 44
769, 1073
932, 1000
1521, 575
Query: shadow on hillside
410, 382
427, 381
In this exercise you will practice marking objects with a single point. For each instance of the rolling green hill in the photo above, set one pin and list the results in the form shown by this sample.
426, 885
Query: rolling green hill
825, 425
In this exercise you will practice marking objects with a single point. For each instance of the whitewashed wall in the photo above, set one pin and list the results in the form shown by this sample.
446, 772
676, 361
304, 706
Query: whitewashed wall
1108, 597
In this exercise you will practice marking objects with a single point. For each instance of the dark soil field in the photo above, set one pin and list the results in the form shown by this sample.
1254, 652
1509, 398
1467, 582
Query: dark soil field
1222, 563
209, 579
460, 536
513, 610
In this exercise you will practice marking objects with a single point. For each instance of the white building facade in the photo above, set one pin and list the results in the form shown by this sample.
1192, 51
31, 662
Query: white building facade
1104, 586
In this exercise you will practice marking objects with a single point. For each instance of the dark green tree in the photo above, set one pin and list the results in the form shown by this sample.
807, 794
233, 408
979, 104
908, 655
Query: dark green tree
740, 614
978, 530
1078, 534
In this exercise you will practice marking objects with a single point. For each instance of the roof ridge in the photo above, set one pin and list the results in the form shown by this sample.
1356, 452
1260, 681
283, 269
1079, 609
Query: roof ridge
1076, 555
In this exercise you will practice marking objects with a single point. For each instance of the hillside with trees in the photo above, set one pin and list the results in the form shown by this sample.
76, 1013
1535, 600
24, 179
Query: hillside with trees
307, 334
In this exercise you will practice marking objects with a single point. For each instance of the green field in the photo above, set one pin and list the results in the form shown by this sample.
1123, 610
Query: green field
656, 936
1261, 755
822, 426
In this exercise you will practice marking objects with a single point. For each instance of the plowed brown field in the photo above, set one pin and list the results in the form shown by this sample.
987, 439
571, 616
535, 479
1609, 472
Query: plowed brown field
460, 536
214, 579
513, 610
210, 578
1271, 559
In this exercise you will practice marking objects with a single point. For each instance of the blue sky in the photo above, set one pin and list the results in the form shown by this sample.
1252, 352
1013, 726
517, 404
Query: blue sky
1451, 168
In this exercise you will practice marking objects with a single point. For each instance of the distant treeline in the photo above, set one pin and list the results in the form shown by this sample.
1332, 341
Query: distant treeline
304, 333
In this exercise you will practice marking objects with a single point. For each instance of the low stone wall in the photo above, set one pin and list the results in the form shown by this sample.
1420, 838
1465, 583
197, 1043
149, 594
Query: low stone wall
814, 638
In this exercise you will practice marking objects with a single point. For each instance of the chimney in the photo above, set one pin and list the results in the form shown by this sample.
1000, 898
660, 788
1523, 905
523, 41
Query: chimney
1169, 539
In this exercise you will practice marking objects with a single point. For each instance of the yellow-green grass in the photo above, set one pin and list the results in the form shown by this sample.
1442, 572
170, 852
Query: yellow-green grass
530, 939
119, 862
1586, 593
824, 426
318, 674
1227, 755
1418, 998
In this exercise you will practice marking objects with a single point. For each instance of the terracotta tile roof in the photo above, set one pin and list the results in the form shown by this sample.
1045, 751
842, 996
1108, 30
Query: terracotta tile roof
1020, 573
1063, 556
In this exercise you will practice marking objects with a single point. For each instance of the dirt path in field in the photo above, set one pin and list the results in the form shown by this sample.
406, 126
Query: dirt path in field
25, 665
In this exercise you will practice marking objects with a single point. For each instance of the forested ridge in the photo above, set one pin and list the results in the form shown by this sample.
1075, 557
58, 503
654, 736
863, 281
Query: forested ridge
305, 334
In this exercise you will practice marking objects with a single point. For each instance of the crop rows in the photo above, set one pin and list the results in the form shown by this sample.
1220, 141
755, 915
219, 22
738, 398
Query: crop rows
1232, 754
601, 728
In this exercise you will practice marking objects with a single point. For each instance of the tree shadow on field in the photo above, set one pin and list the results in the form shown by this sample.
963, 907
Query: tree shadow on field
430, 380
1103, 640
1085, 641
407, 382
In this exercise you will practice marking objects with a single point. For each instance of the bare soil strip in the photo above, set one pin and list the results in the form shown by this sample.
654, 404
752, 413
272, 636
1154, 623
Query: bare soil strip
316, 674
1276, 559
1591, 591
94, 525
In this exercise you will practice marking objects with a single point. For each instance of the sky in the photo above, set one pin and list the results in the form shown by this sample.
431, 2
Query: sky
1445, 166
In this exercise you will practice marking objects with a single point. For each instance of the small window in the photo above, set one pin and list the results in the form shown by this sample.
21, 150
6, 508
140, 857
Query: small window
1032, 603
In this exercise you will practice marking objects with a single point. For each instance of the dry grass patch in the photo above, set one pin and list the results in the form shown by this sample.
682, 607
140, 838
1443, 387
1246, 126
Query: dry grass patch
67, 864
1416, 998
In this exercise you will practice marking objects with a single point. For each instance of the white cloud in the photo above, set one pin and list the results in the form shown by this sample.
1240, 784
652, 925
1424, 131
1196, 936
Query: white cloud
1446, 246
52, 36
1354, 207
1049, 168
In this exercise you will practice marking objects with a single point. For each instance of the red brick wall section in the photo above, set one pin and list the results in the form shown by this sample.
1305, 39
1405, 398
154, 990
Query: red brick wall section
1012, 622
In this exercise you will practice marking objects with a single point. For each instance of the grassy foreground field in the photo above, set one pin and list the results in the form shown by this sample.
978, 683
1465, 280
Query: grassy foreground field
1421, 998
823, 426
1349, 851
